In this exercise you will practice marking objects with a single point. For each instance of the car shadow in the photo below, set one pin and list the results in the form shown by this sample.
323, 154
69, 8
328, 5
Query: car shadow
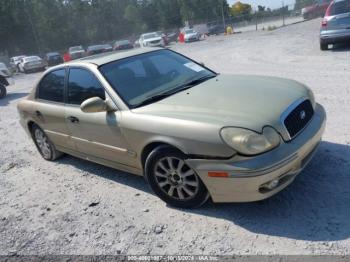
10, 97
315, 207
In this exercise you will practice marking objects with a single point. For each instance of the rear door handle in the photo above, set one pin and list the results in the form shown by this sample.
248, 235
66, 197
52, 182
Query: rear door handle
73, 119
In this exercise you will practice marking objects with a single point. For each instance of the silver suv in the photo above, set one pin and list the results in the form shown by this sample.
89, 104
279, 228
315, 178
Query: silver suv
336, 24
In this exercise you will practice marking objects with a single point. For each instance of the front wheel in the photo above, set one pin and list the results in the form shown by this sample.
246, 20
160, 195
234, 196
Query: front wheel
3, 91
172, 180
45, 147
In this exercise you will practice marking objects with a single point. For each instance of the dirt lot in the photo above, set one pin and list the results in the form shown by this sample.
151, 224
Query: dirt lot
76, 207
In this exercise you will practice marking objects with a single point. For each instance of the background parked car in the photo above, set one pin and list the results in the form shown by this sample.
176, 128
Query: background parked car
107, 48
190, 35
98, 49
216, 29
137, 43
4, 70
122, 45
316, 10
76, 52
31, 64
5, 74
53, 58
151, 40
14, 62
172, 36
164, 37
336, 24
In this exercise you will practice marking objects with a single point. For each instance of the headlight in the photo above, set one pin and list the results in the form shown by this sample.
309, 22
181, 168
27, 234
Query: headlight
248, 142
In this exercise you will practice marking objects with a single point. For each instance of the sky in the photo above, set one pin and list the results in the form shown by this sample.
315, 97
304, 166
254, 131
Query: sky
273, 4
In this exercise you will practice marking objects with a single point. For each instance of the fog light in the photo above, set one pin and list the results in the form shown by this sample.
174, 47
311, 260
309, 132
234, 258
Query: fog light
272, 184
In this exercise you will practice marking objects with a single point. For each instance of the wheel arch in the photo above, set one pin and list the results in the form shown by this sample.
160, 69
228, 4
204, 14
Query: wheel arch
153, 145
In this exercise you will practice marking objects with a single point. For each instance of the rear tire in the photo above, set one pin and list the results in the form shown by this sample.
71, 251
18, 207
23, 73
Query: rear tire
3, 91
45, 147
323, 46
172, 180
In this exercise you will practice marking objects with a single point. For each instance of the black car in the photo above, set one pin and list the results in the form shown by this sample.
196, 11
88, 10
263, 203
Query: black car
122, 45
53, 59
98, 49
216, 29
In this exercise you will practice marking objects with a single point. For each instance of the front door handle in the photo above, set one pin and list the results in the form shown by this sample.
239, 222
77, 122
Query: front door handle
38, 113
73, 119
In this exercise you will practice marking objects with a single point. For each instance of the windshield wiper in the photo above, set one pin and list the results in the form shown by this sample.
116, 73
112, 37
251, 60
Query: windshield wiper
178, 89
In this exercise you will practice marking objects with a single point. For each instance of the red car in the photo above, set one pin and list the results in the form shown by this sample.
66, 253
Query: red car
316, 10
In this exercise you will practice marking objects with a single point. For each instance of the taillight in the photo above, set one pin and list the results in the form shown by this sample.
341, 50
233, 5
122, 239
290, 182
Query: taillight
324, 22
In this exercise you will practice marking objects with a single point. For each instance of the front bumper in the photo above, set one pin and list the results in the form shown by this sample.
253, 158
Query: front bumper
248, 174
331, 37
192, 39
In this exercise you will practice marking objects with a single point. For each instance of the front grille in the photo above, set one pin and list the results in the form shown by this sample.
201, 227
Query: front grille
298, 118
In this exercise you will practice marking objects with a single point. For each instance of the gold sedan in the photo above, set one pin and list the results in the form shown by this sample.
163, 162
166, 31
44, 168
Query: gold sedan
192, 133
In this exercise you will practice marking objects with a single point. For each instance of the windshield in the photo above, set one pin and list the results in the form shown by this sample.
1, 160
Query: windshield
76, 48
152, 35
122, 42
140, 77
190, 31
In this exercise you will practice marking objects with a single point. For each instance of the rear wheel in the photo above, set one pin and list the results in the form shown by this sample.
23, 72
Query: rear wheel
3, 91
323, 46
173, 180
44, 145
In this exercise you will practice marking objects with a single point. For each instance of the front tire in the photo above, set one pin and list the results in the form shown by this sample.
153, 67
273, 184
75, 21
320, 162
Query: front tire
323, 46
45, 147
172, 180
3, 91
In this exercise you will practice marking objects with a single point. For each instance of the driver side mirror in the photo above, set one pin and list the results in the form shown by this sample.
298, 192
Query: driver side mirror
95, 105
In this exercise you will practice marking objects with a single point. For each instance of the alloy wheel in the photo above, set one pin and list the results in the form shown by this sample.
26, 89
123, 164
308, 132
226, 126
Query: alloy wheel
43, 143
176, 178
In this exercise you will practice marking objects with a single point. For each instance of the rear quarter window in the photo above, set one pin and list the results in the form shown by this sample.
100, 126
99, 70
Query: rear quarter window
51, 87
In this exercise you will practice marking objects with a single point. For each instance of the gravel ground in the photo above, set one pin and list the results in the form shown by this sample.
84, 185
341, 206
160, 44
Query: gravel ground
75, 207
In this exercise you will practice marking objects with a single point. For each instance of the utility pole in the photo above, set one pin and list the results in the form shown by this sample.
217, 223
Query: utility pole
223, 15
35, 36
283, 13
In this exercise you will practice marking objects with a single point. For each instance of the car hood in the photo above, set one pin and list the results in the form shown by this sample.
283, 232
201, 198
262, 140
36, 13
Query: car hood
242, 101
153, 39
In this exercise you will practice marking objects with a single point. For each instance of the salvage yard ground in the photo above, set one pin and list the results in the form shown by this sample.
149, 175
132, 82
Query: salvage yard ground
76, 207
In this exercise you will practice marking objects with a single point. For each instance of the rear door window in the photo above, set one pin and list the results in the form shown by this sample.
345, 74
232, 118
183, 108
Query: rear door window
341, 7
51, 87
82, 85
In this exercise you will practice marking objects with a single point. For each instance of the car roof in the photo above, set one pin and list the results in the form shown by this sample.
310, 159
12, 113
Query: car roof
106, 58
52, 53
31, 57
